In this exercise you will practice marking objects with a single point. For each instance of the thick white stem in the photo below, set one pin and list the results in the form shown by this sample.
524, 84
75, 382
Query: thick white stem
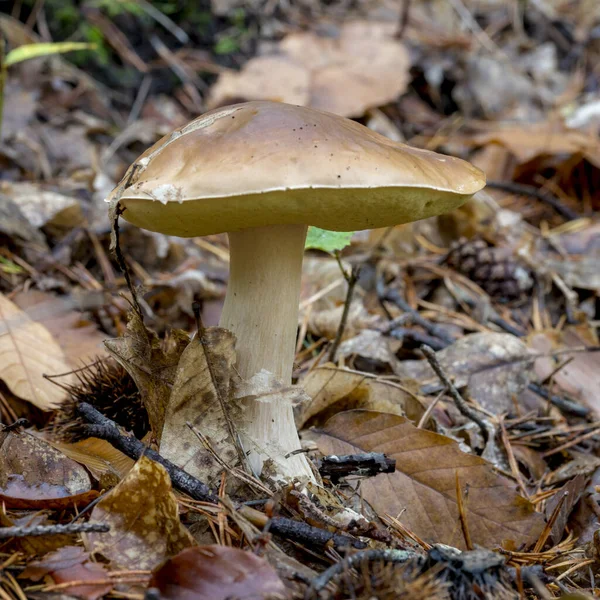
261, 309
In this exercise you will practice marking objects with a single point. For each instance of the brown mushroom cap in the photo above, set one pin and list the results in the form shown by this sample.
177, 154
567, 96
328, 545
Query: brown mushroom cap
268, 163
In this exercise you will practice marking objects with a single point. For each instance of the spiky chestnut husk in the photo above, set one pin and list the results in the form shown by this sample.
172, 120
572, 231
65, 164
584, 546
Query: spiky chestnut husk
107, 386
444, 573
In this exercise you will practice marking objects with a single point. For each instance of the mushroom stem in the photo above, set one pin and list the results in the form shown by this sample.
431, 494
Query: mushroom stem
261, 309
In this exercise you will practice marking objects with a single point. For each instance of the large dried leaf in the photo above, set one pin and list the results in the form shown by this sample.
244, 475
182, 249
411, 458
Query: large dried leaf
151, 366
71, 564
143, 515
334, 390
80, 340
528, 141
107, 464
423, 488
200, 396
361, 67
35, 475
27, 353
217, 573
580, 378
495, 367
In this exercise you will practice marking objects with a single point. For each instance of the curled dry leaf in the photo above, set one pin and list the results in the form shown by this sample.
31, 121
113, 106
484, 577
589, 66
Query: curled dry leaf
71, 564
325, 323
333, 390
200, 396
494, 366
106, 464
528, 141
80, 340
143, 515
361, 67
217, 573
151, 366
27, 353
35, 475
423, 488
580, 377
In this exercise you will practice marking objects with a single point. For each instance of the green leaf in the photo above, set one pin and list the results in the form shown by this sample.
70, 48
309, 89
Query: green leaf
328, 241
29, 51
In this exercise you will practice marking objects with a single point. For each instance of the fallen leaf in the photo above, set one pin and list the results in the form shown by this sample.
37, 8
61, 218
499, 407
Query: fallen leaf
143, 516
333, 390
27, 353
44, 208
217, 573
372, 349
580, 378
527, 141
80, 340
152, 368
572, 492
106, 464
35, 475
325, 323
422, 491
71, 564
200, 396
360, 67
495, 368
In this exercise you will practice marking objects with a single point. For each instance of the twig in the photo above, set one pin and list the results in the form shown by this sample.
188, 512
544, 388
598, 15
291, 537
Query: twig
462, 515
403, 21
462, 406
564, 404
299, 531
105, 429
363, 465
121, 259
233, 434
388, 555
543, 196
403, 333
431, 328
352, 279
37, 530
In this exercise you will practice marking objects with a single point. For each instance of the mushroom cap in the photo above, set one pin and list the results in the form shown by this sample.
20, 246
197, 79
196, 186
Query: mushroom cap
268, 163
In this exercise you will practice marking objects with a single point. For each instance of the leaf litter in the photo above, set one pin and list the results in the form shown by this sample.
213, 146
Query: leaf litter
512, 91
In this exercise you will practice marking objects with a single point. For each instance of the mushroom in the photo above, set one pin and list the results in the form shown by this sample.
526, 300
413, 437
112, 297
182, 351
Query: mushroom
262, 172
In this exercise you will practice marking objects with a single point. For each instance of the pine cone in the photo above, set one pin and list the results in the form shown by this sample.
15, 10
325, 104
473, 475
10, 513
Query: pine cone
495, 270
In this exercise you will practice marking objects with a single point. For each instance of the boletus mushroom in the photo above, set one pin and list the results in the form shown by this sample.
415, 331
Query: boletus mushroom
263, 172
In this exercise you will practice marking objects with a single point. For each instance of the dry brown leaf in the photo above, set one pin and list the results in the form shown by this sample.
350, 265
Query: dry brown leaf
370, 347
143, 515
200, 396
325, 323
495, 368
80, 340
107, 464
44, 208
35, 475
528, 141
71, 564
333, 390
361, 67
580, 378
27, 353
422, 491
152, 368
572, 492
217, 573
